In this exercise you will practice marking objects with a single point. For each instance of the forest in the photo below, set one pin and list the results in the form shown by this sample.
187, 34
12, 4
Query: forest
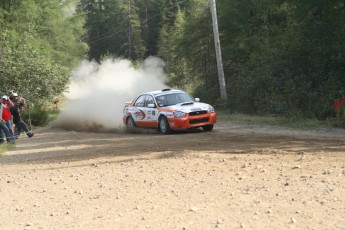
281, 58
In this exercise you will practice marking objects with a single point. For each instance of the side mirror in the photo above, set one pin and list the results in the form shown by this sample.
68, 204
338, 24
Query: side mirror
197, 99
151, 106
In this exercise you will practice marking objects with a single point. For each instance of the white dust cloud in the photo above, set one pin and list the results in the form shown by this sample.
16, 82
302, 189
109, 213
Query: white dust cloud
98, 92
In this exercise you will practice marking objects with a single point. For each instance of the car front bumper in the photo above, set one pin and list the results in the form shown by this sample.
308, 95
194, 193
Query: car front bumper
192, 121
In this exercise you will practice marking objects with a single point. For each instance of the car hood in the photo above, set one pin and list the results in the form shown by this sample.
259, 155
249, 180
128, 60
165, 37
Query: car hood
188, 107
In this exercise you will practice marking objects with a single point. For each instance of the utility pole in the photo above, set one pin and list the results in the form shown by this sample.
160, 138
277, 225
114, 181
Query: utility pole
129, 30
222, 85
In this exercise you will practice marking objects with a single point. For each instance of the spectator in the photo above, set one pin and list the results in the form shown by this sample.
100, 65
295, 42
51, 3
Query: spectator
17, 120
6, 113
13, 97
4, 128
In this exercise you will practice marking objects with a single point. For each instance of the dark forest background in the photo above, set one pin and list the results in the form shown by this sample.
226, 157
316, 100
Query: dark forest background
283, 58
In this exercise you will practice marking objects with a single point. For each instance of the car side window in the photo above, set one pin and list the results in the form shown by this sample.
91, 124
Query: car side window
140, 101
149, 100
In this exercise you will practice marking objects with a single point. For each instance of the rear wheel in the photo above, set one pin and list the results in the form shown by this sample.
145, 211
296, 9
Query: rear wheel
207, 127
164, 126
130, 125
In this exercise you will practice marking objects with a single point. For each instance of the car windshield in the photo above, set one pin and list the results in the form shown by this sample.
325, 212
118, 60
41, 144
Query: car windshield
173, 99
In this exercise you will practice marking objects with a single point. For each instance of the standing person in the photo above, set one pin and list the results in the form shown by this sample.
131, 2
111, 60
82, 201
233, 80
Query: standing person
17, 120
4, 128
13, 97
6, 113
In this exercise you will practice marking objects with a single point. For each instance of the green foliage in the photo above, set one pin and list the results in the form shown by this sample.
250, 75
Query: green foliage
114, 28
290, 122
24, 69
39, 46
285, 58
49, 28
53, 114
40, 116
188, 50
36, 116
5, 147
281, 58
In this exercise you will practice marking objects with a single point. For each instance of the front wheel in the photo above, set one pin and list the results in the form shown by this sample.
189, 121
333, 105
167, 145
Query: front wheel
207, 127
164, 126
130, 125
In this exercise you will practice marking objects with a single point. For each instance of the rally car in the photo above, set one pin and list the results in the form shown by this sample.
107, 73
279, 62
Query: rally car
168, 110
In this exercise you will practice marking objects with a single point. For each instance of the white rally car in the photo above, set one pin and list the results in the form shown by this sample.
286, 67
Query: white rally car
168, 110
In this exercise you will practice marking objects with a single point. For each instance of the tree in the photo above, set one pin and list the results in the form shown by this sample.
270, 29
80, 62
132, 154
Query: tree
188, 49
284, 57
113, 27
39, 45
25, 70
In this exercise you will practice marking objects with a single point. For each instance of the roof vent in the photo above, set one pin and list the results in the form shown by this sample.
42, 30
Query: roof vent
163, 90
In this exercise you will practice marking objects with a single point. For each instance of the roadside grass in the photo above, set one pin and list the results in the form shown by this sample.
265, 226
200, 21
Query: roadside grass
4, 148
296, 123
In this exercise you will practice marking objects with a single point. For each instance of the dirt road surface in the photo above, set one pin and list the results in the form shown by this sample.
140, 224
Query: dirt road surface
235, 177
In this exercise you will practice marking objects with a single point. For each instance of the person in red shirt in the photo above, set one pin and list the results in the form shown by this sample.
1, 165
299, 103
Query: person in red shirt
6, 104
6, 113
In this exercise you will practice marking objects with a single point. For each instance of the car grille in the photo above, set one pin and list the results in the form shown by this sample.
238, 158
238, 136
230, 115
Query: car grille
196, 121
197, 113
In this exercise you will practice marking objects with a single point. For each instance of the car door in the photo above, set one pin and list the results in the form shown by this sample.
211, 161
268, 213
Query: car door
138, 111
151, 112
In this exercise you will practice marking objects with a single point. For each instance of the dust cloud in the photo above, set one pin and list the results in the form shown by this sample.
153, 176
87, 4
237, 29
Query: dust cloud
98, 92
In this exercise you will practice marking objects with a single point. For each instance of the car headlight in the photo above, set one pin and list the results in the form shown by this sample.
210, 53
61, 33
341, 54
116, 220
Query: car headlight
179, 114
211, 109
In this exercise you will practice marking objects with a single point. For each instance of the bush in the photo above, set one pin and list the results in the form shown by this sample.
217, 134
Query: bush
37, 116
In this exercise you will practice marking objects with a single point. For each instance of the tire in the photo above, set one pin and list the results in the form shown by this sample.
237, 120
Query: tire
164, 126
130, 125
207, 128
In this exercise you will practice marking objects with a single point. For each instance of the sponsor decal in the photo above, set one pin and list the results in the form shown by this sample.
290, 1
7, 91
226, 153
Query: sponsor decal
196, 110
153, 112
140, 115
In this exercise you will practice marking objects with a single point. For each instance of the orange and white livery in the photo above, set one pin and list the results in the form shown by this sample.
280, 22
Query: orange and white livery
168, 110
